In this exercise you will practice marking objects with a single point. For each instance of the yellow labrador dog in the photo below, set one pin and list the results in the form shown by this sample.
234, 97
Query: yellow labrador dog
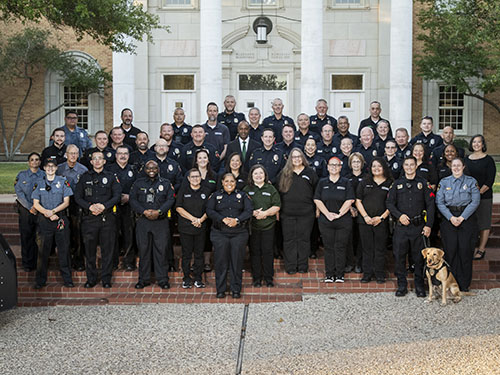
438, 273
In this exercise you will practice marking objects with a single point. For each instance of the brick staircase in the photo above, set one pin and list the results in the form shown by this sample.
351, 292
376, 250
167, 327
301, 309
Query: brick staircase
486, 275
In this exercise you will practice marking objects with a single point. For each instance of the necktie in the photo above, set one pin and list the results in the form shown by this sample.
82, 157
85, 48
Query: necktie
244, 150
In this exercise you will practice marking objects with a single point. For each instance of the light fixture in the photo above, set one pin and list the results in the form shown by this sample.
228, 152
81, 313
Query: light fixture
262, 26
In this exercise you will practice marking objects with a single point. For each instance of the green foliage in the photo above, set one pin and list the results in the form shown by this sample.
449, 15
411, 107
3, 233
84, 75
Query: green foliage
23, 56
461, 45
109, 22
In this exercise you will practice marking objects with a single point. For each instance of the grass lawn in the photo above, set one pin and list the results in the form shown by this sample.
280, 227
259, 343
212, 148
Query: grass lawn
8, 173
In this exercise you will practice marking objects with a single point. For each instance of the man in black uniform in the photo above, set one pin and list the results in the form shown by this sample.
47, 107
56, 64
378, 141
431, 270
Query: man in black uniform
288, 143
321, 118
256, 128
142, 153
304, 132
182, 131
217, 134
97, 192
101, 142
404, 148
56, 150
167, 132
189, 150
343, 132
229, 117
278, 119
366, 146
326, 148
411, 202
374, 119
427, 137
125, 241
116, 138
130, 130
151, 198
269, 156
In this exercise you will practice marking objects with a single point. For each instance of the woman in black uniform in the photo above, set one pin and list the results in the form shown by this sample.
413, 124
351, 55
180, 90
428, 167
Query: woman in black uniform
234, 165
316, 162
266, 204
482, 167
333, 198
230, 210
425, 168
297, 183
450, 152
190, 205
373, 216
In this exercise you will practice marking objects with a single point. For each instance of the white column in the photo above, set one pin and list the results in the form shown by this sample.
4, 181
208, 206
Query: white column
210, 55
311, 69
401, 63
123, 84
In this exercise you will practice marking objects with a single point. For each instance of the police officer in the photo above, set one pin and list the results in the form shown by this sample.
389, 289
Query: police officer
198, 142
372, 121
50, 199
304, 133
288, 142
97, 192
26, 182
167, 132
101, 144
229, 117
321, 118
256, 128
333, 198
367, 147
404, 148
74, 134
142, 153
427, 137
268, 155
57, 149
182, 131
217, 134
125, 223
130, 130
168, 168
326, 148
230, 210
457, 199
315, 160
277, 119
411, 202
395, 164
151, 198
72, 170
343, 132
191, 207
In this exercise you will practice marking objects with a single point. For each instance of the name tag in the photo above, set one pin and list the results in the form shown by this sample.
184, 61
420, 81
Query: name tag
217, 133
326, 187
385, 188
340, 187
251, 193
187, 195
306, 177
266, 194
424, 169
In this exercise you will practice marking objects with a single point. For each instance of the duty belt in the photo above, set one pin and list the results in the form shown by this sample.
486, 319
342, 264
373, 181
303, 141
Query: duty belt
456, 210
416, 220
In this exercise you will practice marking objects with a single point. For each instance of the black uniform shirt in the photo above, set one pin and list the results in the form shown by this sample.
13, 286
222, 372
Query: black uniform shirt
138, 159
443, 171
334, 195
368, 153
318, 164
300, 139
131, 136
286, 149
194, 202
395, 165
256, 133
95, 187
189, 151
231, 120
411, 197
277, 125
182, 134
241, 180
317, 123
437, 154
428, 172
337, 139
298, 200
126, 176
152, 194
272, 160
52, 152
355, 180
327, 151
235, 205
108, 152
170, 170
217, 135
368, 122
403, 153
431, 141
373, 196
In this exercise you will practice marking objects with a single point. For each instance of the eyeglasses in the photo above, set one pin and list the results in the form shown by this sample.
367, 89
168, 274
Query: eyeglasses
335, 165
390, 146
98, 158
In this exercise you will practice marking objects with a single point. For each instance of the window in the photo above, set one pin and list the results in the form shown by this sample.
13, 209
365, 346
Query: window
179, 4
268, 82
451, 107
347, 82
77, 101
269, 4
350, 4
178, 82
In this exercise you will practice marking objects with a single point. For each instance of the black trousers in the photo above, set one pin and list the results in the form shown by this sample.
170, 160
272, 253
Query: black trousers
77, 248
315, 237
408, 239
152, 238
229, 251
125, 241
335, 239
374, 245
192, 245
261, 254
354, 253
28, 224
99, 230
48, 234
459, 243
296, 241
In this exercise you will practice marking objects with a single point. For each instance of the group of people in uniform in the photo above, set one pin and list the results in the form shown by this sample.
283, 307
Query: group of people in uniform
280, 189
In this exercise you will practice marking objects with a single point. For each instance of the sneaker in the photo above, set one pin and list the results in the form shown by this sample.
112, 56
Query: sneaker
329, 279
339, 279
199, 284
187, 285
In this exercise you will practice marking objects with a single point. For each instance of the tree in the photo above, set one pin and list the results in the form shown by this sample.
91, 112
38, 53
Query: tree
25, 55
109, 22
461, 45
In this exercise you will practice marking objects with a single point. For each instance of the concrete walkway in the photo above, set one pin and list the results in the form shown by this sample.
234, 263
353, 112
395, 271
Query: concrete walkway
334, 334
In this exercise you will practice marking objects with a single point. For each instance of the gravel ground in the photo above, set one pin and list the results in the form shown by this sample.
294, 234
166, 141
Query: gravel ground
341, 334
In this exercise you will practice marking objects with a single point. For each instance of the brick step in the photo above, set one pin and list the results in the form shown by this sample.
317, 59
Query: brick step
13, 239
9, 228
9, 217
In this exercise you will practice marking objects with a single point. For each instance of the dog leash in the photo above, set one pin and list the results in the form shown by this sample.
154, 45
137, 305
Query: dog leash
427, 242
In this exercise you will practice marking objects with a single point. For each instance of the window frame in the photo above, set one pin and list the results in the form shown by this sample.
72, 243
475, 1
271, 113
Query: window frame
194, 5
363, 75
279, 5
178, 74
364, 4
463, 108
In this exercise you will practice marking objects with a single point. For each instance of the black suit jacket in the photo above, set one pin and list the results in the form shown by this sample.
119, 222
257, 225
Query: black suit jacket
234, 146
